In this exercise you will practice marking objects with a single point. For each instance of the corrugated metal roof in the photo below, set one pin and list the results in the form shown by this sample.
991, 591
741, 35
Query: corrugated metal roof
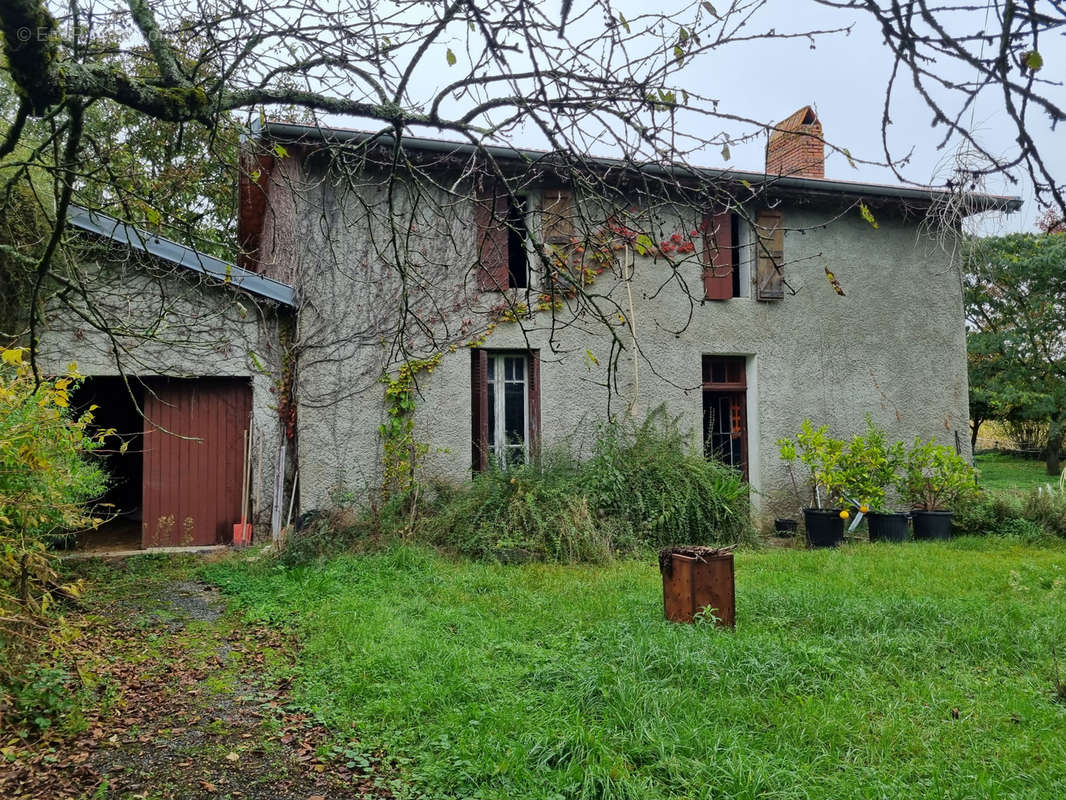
183, 256
785, 184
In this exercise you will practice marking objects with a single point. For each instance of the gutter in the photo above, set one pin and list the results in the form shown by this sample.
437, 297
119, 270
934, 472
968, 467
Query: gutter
785, 184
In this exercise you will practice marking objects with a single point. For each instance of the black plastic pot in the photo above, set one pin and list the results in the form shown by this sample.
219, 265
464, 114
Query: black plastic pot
785, 527
932, 524
825, 528
888, 527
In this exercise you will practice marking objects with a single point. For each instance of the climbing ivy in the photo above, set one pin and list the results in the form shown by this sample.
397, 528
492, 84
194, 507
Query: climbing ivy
403, 453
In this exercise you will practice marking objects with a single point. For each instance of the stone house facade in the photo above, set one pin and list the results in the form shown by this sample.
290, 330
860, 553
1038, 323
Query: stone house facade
714, 298
525, 298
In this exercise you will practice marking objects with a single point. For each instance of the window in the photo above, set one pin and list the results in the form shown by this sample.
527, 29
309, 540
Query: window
725, 423
505, 399
502, 237
517, 254
721, 255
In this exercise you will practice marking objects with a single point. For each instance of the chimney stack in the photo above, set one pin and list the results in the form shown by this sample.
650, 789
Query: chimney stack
796, 146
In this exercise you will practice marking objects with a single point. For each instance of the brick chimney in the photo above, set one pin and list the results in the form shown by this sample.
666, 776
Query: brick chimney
796, 146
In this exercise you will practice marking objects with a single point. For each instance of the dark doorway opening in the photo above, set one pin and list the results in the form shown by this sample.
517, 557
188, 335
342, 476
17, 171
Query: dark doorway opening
122, 455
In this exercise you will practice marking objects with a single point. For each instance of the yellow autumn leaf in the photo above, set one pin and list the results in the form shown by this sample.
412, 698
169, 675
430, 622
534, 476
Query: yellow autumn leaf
12, 356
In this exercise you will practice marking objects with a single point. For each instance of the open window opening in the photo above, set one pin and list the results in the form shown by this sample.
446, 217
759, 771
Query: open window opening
505, 398
503, 241
725, 422
517, 251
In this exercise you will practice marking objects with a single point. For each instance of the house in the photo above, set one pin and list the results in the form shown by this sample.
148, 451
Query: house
515, 299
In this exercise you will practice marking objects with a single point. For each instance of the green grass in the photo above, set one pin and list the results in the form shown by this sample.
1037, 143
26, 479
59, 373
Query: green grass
842, 679
1001, 472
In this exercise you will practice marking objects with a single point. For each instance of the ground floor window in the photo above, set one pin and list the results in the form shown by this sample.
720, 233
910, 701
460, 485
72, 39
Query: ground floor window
725, 423
505, 398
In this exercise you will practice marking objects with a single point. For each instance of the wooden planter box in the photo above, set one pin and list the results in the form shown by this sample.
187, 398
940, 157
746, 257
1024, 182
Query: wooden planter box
695, 579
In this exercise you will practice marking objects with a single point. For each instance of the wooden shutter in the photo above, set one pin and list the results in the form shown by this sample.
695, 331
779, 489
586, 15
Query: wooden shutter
769, 282
718, 255
490, 221
479, 407
557, 216
534, 405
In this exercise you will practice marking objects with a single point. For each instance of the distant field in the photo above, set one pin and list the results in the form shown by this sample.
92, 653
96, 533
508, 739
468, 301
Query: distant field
1000, 472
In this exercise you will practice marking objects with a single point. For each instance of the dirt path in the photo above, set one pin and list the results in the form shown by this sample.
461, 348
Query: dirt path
176, 705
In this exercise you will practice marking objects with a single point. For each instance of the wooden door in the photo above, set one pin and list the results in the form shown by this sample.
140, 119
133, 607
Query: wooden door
193, 464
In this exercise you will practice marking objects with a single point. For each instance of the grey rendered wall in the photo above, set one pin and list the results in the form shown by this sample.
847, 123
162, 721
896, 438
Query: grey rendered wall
167, 323
894, 347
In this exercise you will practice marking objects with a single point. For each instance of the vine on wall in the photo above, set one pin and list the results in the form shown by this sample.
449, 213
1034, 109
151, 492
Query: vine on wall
403, 453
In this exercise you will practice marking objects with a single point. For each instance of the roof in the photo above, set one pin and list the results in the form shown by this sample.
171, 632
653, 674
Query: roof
784, 184
181, 255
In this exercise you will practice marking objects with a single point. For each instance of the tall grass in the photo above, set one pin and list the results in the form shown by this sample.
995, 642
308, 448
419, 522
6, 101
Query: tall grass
642, 487
923, 670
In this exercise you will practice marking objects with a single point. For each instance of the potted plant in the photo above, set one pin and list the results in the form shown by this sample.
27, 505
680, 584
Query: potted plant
932, 480
824, 513
870, 467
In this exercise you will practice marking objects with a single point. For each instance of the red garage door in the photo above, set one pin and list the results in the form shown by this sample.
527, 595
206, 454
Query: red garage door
193, 442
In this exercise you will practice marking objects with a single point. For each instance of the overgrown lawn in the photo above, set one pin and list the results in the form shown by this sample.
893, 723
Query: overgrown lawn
1002, 472
922, 670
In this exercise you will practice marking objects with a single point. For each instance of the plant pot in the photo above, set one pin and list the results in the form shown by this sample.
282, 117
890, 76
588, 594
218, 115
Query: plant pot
932, 524
825, 528
785, 527
887, 527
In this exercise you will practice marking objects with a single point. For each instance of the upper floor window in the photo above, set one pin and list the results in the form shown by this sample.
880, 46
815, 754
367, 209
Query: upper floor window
502, 240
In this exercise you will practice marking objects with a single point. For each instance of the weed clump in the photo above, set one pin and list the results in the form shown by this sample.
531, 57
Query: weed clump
642, 487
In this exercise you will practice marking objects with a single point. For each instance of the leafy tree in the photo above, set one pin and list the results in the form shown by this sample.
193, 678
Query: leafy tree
1016, 308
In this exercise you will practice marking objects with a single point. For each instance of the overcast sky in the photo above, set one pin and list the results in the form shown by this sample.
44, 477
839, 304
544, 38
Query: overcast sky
844, 78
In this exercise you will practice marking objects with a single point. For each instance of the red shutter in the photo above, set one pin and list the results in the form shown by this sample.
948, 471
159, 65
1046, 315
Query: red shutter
534, 404
490, 221
718, 255
479, 407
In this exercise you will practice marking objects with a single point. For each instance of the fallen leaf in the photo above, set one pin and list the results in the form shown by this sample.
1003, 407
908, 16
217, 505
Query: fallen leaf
207, 786
231, 756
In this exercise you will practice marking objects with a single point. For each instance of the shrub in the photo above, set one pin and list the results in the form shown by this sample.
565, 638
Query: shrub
985, 513
1037, 513
869, 466
821, 454
642, 487
532, 511
935, 477
46, 480
37, 698
648, 478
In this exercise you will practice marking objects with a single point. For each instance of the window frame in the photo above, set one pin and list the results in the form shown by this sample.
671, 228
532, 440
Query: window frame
486, 448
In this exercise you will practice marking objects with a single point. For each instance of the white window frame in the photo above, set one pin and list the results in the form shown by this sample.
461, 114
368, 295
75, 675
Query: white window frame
498, 382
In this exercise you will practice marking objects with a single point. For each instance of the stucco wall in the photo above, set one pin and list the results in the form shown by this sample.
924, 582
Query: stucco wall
164, 321
894, 347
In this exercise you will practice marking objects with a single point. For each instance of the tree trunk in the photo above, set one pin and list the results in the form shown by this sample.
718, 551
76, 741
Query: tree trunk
975, 426
1056, 434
